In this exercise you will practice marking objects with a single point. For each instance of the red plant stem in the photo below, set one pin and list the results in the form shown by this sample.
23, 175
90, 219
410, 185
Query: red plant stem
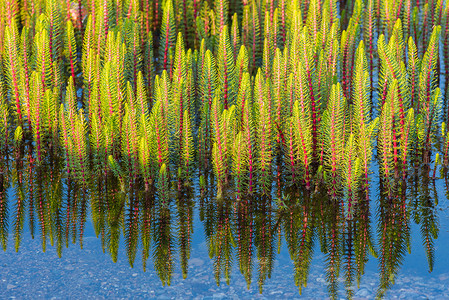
306, 164
446, 57
80, 15
146, 11
370, 48
250, 154
413, 87
222, 16
263, 149
291, 151
50, 37
118, 11
225, 85
254, 42
218, 137
156, 15
159, 144
130, 10
38, 135
344, 80
234, 44
395, 150
135, 71
72, 65
314, 104
27, 82
181, 117
92, 11
105, 18
283, 27
350, 200
275, 29
167, 44
16, 88
245, 29
238, 175
408, 13
195, 9
303, 232
404, 155
292, 99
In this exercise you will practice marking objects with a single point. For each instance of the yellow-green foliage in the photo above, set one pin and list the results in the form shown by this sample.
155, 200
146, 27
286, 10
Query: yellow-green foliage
253, 96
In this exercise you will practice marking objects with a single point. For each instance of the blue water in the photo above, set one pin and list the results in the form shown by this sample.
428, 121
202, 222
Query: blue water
90, 273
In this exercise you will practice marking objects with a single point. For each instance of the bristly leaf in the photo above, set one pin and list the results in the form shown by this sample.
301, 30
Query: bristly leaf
334, 137
179, 64
251, 36
219, 155
427, 75
239, 162
385, 144
221, 12
168, 34
364, 129
413, 68
235, 36
369, 31
264, 131
187, 146
302, 135
71, 50
241, 63
53, 13
13, 66
248, 132
227, 76
351, 171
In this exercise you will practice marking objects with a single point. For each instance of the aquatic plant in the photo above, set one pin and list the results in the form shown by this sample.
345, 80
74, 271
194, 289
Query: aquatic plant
334, 127
133, 99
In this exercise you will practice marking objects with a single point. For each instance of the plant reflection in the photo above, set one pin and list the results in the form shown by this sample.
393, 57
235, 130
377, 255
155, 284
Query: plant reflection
245, 232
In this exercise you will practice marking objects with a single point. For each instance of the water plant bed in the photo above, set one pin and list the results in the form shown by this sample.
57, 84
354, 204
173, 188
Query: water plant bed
293, 127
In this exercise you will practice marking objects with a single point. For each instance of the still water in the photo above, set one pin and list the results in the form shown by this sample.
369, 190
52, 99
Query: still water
272, 244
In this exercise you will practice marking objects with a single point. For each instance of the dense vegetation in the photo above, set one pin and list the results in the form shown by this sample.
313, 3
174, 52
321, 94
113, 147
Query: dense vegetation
136, 100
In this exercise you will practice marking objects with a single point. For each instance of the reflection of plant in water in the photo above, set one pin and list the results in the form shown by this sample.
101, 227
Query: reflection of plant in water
362, 235
393, 237
245, 237
264, 238
185, 230
299, 232
163, 250
17, 179
424, 215
4, 176
223, 243
334, 246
